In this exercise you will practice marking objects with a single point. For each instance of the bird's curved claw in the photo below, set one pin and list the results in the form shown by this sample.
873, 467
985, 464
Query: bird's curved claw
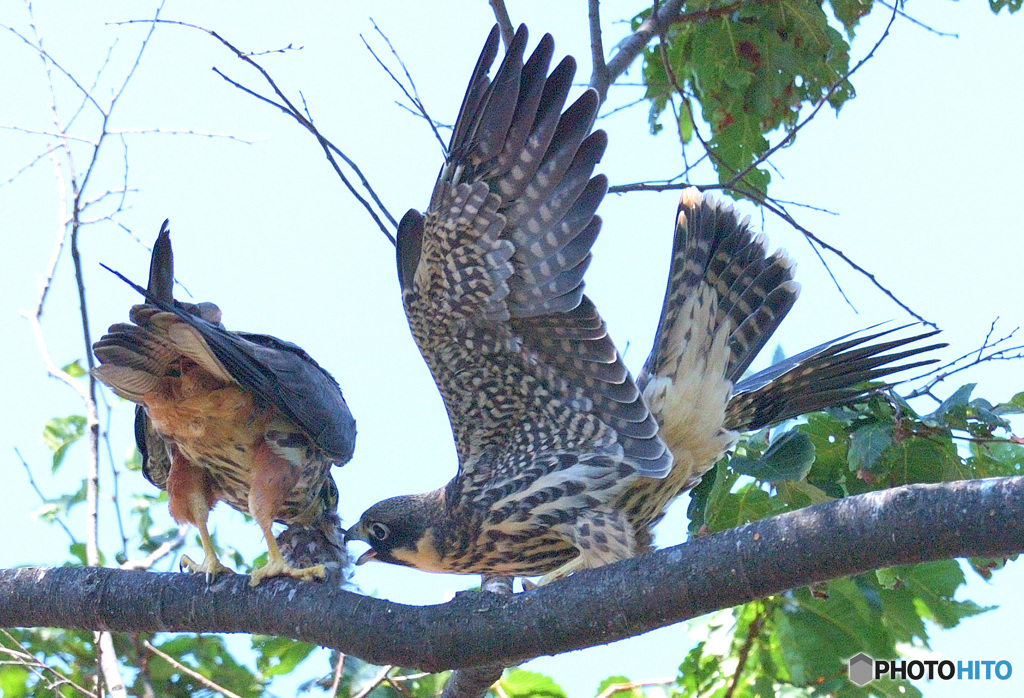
211, 567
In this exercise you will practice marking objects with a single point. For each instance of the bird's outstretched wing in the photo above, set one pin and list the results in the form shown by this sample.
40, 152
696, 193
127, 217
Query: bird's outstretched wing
277, 372
492, 283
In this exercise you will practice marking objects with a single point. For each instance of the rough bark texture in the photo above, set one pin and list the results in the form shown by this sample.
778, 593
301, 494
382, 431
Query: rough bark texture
899, 526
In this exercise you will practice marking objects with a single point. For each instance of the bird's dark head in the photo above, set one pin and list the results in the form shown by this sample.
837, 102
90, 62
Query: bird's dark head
402, 531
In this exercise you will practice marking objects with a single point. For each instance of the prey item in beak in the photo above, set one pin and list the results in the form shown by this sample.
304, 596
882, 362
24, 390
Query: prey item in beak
370, 554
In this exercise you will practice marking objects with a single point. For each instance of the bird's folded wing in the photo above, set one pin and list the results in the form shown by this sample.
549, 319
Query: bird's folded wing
278, 373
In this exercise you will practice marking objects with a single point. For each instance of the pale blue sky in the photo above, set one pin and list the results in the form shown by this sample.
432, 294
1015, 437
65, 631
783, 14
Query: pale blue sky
923, 168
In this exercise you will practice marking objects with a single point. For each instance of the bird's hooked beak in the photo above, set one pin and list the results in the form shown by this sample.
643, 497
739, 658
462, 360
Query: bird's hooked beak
357, 533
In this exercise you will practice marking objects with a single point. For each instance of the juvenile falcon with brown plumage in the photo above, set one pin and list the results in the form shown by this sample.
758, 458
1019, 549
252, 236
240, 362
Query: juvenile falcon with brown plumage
243, 418
562, 464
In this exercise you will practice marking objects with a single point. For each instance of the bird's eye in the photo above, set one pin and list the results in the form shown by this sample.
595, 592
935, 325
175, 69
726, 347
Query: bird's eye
379, 531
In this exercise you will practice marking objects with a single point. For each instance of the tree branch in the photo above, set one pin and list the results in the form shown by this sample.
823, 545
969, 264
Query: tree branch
599, 76
504, 23
904, 525
473, 682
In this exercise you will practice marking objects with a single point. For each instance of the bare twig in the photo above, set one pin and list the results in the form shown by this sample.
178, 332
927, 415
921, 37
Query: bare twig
108, 664
288, 108
414, 98
599, 76
632, 686
918, 22
188, 670
51, 678
374, 682
504, 23
339, 670
990, 350
623, 107
42, 497
160, 552
753, 633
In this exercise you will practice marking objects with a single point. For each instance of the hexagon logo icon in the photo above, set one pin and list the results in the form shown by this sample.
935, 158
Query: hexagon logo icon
862, 669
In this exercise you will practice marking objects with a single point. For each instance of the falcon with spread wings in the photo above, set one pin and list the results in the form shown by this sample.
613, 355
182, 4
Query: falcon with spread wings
562, 462
243, 418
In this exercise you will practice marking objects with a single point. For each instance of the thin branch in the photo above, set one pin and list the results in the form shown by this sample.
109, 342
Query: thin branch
508, 31
32, 163
996, 352
811, 237
39, 668
660, 17
983, 518
108, 665
339, 671
42, 497
289, 109
162, 551
374, 682
918, 22
48, 134
51, 61
414, 97
599, 76
623, 107
188, 670
182, 132
633, 686
753, 633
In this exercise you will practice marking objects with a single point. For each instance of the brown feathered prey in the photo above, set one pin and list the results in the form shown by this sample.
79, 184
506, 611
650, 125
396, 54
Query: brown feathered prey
243, 418
562, 464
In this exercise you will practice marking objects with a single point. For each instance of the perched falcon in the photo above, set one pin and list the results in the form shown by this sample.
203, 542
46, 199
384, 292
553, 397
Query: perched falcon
242, 418
562, 464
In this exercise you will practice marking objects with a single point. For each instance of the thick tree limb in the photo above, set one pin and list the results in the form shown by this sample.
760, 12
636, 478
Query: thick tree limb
900, 526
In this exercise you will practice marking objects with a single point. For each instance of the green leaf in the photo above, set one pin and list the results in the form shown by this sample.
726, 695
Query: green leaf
849, 12
959, 398
60, 433
867, 445
1011, 5
986, 566
77, 551
887, 577
622, 693
51, 509
74, 369
528, 684
923, 459
789, 458
13, 681
935, 584
277, 656
700, 672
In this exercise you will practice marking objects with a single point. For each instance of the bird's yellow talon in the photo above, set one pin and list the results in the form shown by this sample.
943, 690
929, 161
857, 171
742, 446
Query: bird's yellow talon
211, 566
280, 568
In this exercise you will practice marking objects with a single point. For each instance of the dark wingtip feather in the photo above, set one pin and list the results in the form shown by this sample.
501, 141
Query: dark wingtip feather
161, 265
407, 246
830, 374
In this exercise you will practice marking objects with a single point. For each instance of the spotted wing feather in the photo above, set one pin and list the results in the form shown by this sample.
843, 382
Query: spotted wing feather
492, 280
